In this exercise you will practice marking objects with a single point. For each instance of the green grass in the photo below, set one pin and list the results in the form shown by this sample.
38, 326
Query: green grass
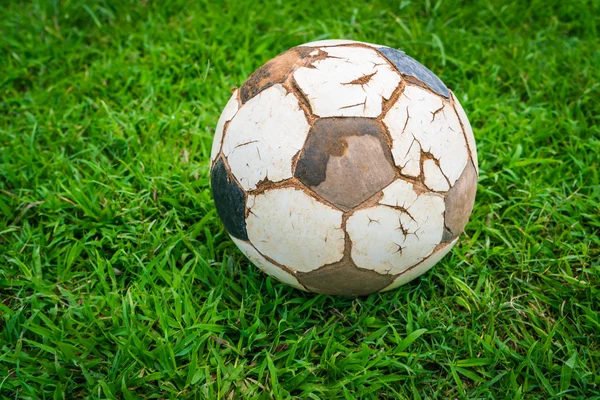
118, 281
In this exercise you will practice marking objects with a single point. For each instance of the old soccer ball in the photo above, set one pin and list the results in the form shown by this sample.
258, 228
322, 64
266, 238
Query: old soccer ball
344, 167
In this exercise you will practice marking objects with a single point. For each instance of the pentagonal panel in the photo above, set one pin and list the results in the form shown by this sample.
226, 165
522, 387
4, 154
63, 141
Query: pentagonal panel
462, 116
423, 266
423, 127
264, 265
349, 82
411, 67
294, 229
263, 138
345, 160
459, 203
227, 115
344, 278
398, 233
229, 201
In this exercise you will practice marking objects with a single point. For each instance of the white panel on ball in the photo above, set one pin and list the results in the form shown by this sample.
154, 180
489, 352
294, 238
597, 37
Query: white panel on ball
294, 229
263, 138
390, 240
351, 82
421, 120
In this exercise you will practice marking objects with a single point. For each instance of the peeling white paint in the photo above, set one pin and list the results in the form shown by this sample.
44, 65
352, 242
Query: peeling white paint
390, 240
264, 265
265, 135
329, 85
468, 130
421, 268
336, 42
434, 179
231, 108
294, 229
420, 120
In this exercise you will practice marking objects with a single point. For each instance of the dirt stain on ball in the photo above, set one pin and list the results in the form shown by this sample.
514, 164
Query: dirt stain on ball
345, 160
278, 70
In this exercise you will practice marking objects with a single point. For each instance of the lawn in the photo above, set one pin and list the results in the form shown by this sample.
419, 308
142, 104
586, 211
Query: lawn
117, 279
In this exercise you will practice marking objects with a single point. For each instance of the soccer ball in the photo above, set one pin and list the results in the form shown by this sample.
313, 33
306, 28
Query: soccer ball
344, 168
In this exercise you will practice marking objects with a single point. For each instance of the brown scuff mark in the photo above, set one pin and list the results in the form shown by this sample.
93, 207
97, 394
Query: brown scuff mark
237, 96
419, 186
386, 134
246, 143
344, 278
435, 113
459, 203
364, 104
401, 209
291, 86
266, 184
387, 104
363, 80
426, 155
278, 70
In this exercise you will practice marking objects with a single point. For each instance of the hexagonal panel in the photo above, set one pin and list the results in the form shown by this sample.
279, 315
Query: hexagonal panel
423, 127
264, 137
346, 160
294, 229
403, 229
349, 82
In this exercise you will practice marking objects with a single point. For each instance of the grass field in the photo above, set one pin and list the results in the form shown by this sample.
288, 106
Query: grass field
118, 281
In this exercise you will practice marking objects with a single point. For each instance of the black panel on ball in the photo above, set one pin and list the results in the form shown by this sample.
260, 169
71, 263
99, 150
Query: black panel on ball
229, 200
409, 66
